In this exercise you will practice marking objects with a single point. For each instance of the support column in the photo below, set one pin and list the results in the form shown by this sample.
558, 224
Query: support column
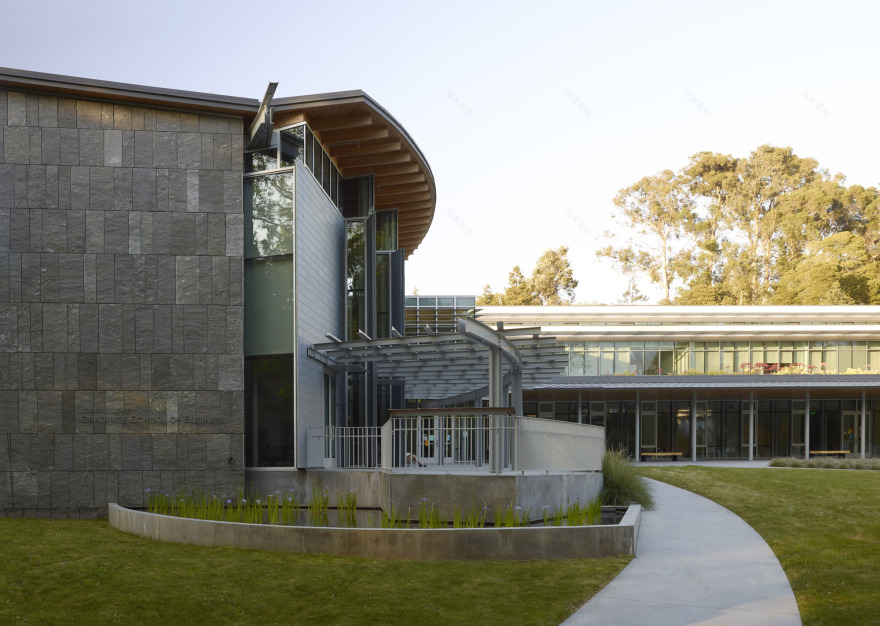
496, 398
580, 407
516, 390
694, 427
638, 451
864, 424
751, 426
807, 429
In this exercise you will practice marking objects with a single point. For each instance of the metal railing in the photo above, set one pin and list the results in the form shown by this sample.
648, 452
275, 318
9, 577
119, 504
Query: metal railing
344, 447
482, 440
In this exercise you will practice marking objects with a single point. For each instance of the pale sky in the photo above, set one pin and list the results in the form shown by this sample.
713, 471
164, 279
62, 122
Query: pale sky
532, 115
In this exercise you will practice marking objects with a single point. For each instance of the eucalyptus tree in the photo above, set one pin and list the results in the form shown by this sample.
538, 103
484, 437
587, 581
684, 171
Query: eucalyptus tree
552, 282
659, 212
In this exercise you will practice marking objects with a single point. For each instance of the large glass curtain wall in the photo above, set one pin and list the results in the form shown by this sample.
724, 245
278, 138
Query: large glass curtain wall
722, 426
269, 318
713, 357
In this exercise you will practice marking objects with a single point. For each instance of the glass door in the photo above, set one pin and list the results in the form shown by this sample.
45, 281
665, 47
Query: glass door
851, 430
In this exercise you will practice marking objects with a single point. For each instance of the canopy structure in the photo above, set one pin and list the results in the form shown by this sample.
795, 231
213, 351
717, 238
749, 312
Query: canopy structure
455, 367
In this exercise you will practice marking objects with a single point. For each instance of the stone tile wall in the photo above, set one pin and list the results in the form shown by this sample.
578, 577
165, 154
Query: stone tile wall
121, 318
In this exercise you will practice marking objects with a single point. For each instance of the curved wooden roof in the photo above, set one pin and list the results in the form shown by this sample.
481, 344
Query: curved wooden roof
363, 138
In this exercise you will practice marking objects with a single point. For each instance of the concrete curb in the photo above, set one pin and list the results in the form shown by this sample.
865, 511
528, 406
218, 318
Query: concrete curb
532, 542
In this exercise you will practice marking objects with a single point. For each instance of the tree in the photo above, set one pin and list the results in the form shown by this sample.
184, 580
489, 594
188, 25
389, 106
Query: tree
750, 217
552, 282
773, 227
659, 209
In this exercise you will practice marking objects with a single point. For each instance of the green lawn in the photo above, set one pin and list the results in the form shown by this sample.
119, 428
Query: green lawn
823, 525
60, 571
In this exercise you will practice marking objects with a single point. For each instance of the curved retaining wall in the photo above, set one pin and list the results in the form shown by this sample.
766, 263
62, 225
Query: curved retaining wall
532, 542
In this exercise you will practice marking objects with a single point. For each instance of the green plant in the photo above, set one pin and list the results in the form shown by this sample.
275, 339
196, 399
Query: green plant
594, 512
576, 515
346, 508
318, 506
289, 509
513, 516
622, 485
391, 518
430, 516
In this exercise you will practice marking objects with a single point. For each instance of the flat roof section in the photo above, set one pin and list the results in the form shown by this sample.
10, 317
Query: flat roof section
735, 381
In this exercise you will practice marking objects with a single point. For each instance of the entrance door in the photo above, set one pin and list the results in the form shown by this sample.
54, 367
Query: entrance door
851, 430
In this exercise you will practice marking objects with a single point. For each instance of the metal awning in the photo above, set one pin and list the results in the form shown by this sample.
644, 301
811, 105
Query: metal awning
446, 365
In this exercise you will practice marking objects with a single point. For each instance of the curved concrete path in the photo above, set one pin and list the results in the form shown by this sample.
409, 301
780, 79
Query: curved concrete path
696, 563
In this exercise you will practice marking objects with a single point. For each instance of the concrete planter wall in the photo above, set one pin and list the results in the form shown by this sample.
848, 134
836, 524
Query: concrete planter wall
534, 542
405, 490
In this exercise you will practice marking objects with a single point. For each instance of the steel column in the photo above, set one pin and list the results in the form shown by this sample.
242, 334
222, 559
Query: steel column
751, 426
864, 420
807, 429
694, 427
638, 451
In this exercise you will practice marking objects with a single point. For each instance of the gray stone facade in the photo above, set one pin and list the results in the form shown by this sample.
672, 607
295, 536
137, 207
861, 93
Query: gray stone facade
121, 317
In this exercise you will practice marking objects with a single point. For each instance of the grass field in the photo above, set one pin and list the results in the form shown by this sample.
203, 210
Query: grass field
823, 525
65, 571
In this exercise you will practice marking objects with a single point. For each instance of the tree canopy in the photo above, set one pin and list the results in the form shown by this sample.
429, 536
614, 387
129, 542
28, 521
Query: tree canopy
552, 282
770, 228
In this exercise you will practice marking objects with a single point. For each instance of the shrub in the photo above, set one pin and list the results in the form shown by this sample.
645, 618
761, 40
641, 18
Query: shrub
622, 484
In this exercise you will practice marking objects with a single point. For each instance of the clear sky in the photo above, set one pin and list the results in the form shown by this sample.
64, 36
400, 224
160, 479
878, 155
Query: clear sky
532, 115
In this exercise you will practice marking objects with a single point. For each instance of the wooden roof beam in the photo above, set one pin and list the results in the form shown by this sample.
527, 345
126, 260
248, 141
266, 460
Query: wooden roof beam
402, 198
368, 160
404, 206
330, 137
382, 170
396, 190
354, 149
343, 121
400, 179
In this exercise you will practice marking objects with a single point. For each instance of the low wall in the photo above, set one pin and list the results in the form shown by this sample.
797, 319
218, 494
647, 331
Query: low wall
405, 490
534, 542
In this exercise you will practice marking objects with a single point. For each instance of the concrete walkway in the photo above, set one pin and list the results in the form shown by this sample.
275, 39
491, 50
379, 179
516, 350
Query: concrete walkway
697, 563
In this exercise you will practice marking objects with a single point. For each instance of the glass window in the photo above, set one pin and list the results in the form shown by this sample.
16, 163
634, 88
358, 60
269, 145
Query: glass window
268, 306
356, 255
310, 148
292, 145
268, 213
260, 160
334, 183
383, 295
325, 176
386, 239
269, 411
575, 363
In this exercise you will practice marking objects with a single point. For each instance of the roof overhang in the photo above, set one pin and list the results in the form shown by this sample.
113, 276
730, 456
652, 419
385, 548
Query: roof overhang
362, 138
91, 89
